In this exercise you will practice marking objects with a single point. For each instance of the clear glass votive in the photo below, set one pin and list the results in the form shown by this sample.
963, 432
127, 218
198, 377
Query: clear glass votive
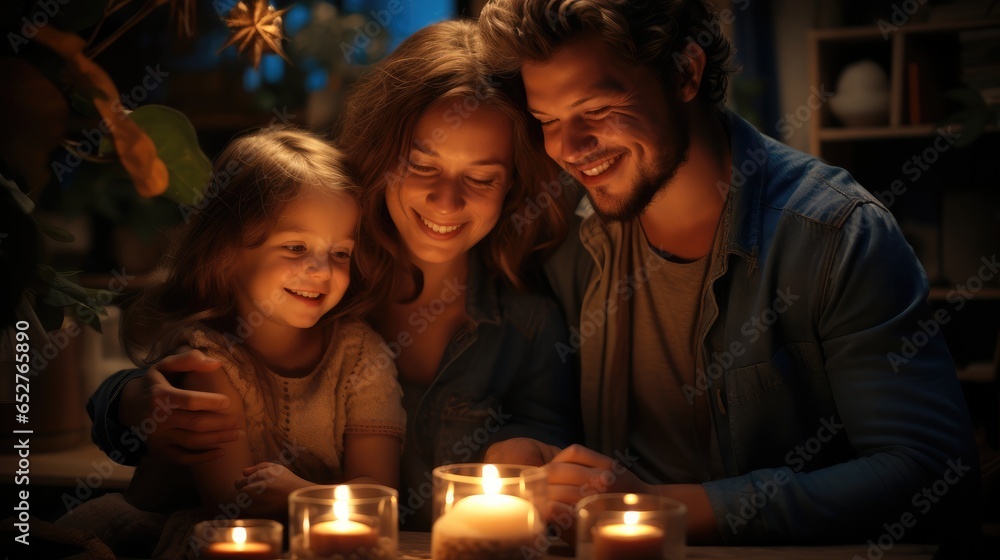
343, 521
238, 539
630, 527
488, 512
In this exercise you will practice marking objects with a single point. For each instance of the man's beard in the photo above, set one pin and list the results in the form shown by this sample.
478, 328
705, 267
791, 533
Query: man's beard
652, 177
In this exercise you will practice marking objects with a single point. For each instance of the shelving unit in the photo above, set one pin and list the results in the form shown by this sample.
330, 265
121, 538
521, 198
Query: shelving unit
946, 199
830, 50
941, 195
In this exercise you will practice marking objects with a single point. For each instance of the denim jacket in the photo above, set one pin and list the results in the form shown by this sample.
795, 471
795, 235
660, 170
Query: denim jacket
833, 398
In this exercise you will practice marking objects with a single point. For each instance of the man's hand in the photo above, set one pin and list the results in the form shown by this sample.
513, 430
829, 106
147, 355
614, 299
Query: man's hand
184, 426
521, 451
577, 472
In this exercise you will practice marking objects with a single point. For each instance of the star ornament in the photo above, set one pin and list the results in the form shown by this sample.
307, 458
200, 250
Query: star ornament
256, 29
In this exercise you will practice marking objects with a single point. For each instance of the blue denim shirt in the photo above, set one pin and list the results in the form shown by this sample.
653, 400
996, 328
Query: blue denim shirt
500, 377
833, 398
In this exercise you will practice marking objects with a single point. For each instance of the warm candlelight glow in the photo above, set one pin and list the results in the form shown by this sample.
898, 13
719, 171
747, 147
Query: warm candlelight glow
356, 521
628, 540
631, 517
491, 480
341, 507
238, 548
485, 526
342, 535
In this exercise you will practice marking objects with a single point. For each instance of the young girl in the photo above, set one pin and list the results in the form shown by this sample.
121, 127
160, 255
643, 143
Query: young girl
260, 280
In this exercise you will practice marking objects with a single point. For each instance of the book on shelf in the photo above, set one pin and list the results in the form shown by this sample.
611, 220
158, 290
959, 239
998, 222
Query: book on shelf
922, 85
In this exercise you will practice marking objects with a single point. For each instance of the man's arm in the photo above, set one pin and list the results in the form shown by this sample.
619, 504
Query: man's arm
901, 408
135, 410
107, 432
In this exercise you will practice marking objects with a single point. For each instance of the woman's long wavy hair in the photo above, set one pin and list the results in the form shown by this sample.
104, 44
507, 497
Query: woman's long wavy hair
651, 33
253, 178
442, 61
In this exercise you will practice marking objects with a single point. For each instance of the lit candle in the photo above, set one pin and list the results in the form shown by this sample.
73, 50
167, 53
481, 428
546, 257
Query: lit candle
239, 549
484, 526
628, 541
342, 535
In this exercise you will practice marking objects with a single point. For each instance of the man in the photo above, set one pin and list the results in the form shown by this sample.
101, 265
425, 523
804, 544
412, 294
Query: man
740, 308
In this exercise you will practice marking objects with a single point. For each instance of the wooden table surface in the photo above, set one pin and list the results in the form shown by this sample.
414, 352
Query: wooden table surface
417, 546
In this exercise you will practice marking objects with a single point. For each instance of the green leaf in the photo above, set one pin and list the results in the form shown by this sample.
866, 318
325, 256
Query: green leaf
57, 298
87, 318
177, 145
64, 293
62, 282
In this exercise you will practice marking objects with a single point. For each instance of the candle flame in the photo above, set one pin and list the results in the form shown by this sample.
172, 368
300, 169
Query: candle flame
305, 527
239, 535
341, 508
631, 499
491, 480
631, 517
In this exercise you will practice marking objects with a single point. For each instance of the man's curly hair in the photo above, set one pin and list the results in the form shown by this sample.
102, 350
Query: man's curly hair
652, 33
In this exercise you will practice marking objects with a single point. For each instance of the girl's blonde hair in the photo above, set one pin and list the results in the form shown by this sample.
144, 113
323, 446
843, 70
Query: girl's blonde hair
254, 177
442, 61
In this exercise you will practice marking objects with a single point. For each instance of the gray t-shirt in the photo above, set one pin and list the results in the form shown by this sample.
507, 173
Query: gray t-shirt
672, 437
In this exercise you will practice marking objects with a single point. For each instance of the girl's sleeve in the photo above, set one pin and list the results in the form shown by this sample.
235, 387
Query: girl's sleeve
374, 396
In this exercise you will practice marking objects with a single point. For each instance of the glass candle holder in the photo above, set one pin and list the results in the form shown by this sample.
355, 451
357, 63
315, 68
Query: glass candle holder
344, 521
238, 539
487, 512
630, 527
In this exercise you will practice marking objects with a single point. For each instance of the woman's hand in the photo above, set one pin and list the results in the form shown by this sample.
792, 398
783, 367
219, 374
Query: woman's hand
268, 486
521, 451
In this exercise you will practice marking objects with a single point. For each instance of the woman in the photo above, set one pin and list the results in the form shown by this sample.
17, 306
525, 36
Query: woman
454, 206
446, 163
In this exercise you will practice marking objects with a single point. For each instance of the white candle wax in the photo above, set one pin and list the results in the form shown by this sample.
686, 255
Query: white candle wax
488, 526
492, 517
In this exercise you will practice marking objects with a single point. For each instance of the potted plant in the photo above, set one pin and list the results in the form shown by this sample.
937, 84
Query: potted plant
62, 116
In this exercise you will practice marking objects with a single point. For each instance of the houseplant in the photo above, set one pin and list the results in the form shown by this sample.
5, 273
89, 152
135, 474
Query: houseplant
66, 126
70, 124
